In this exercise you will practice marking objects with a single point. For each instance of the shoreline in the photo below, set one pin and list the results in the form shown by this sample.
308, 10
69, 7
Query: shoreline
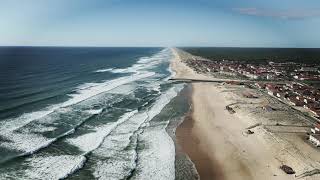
217, 144
189, 144
184, 167
200, 141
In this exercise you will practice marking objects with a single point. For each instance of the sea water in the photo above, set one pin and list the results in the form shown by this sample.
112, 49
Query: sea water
87, 113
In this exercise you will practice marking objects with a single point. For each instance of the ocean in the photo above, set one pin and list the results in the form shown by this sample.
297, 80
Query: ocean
87, 113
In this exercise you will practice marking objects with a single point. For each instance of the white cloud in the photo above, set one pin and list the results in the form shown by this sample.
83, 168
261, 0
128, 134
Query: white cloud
285, 14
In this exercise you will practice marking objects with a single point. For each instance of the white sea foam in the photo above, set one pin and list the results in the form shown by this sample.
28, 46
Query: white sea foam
8, 127
121, 158
156, 87
41, 128
86, 86
123, 89
107, 141
84, 92
120, 149
152, 85
89, 142
53, 167
120, 164
104, 87
103, 70
29, 139
163, 100
13, 124
119, 138
144, 60
94, 111
145, 63
172, 73
156, 161
120, 70
27, 143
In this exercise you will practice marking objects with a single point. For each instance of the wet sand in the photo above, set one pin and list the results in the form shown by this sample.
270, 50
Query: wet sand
190, 145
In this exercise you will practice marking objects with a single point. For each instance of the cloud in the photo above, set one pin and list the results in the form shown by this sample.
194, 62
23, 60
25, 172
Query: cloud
286, 14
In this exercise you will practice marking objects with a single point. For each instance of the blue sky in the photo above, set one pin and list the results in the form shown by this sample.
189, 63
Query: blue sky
243, 23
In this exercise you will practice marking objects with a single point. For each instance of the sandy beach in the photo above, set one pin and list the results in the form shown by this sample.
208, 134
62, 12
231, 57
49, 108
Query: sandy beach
216, 142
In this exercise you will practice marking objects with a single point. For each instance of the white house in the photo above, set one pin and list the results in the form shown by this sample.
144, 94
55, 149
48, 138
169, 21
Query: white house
315, 139
316, 129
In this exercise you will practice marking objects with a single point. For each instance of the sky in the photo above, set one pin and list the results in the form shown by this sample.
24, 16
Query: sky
218, 23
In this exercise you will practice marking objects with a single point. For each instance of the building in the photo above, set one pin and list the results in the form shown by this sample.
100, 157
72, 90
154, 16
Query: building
316, 129
313, 107
271, 76
315, 110
261, 85
315, 139
309, 69
315, 97
273, 92
308, 101
281, 94
295, 101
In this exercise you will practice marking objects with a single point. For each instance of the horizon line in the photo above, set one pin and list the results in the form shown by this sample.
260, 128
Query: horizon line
91, 46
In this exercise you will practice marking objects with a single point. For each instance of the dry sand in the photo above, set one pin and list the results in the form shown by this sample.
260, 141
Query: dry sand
215, 140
